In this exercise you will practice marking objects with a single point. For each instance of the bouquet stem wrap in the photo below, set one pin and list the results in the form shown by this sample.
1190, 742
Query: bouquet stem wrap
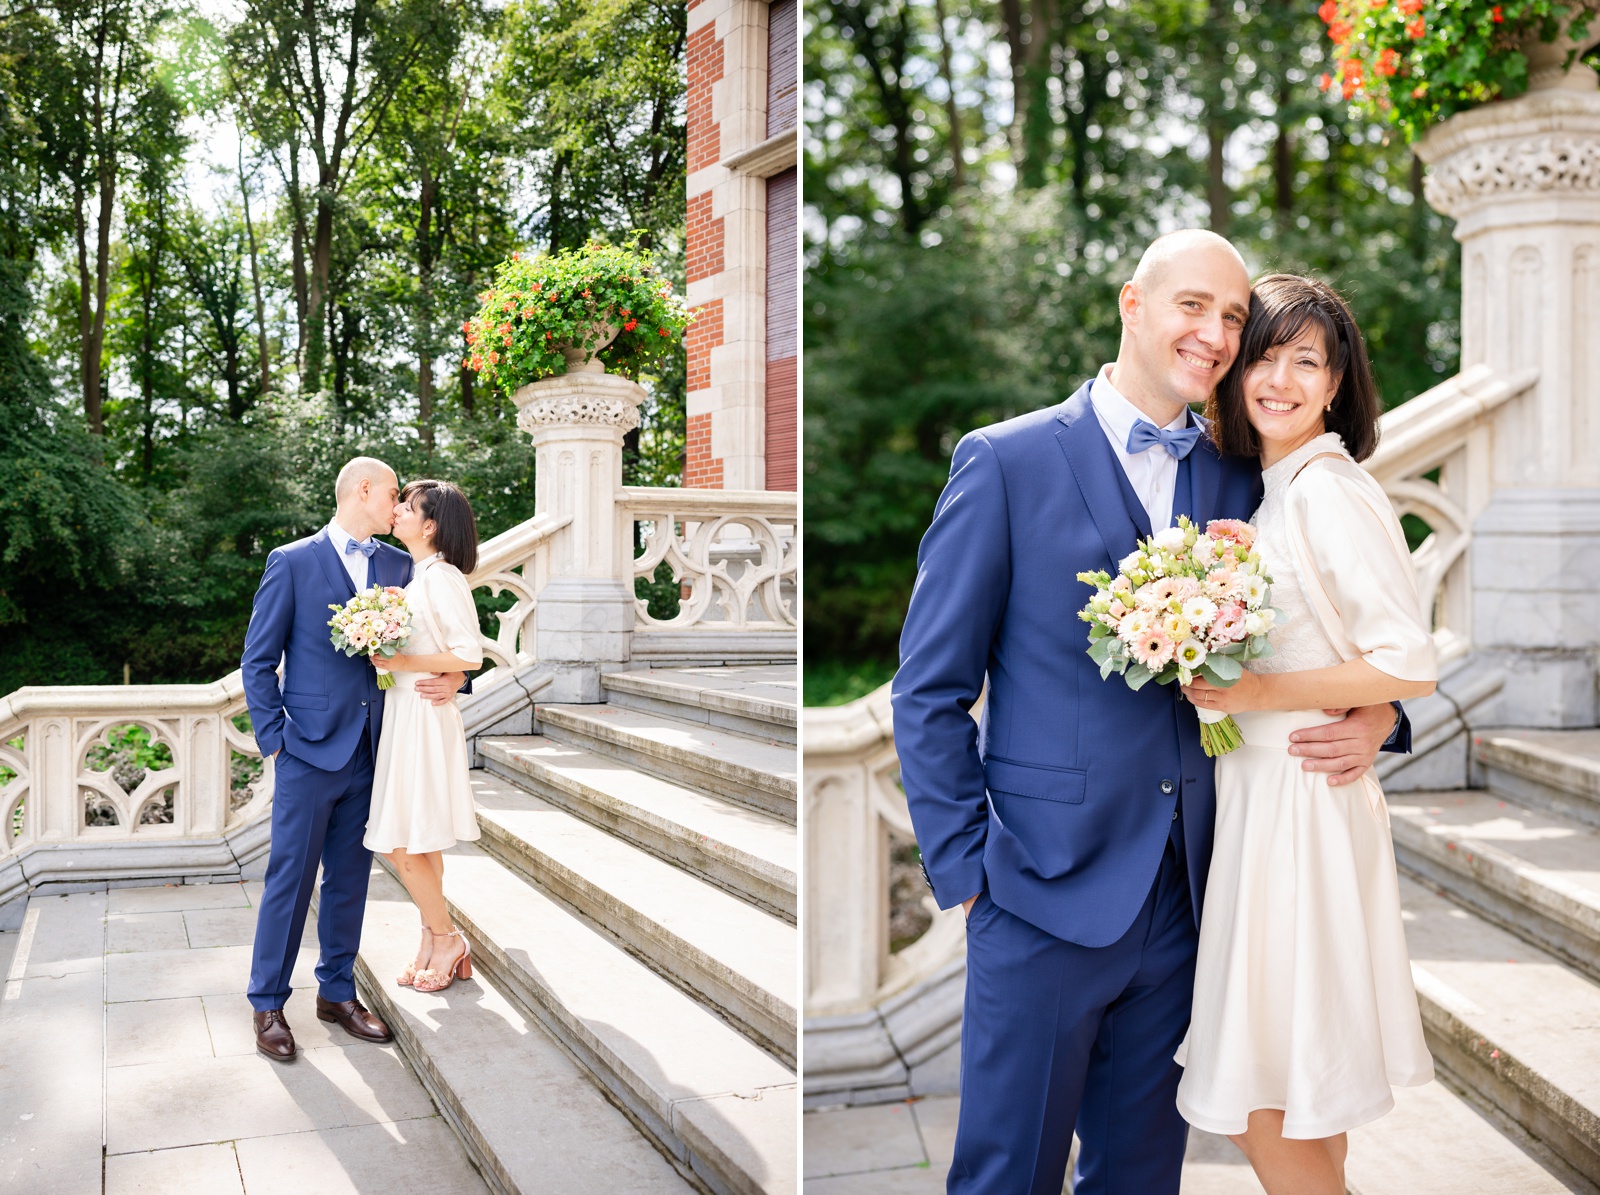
1219, 733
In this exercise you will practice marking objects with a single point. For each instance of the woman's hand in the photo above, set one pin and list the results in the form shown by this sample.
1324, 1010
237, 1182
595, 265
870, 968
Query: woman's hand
1247, 693
394, 663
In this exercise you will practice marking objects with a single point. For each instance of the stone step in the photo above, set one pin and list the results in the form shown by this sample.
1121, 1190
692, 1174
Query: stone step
728, 953
739, 850
1532, 872
532, 1119
759, 773
757, 700
713, 1100
1435, 1142
1558, 770
1510, 1025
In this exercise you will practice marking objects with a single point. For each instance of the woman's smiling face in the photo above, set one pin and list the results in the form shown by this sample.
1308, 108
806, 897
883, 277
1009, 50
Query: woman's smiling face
1287, 391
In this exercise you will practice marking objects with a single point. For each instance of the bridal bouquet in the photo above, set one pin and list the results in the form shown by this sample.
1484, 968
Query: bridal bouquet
1185, 603
376, 622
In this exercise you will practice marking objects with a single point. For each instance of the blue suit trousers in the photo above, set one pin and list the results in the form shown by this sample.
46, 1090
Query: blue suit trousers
317, 816
1057, 1036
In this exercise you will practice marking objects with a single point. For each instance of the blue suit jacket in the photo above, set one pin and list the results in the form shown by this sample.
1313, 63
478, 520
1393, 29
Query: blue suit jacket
1059, 802
328, 699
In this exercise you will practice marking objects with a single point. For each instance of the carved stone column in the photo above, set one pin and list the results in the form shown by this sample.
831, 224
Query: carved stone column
1522, 180
585, 613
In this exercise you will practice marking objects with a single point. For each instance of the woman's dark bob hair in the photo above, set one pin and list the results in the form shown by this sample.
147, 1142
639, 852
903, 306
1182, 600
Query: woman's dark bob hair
455, 530
1282, 306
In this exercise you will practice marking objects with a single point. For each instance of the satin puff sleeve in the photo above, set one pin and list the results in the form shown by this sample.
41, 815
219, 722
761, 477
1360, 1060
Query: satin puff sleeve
1356, 569
451, 599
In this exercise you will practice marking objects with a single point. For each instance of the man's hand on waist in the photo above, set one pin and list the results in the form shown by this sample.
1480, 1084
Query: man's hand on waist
1346, 748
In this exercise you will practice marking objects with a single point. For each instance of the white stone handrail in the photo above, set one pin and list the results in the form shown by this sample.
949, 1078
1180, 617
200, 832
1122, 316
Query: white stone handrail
1449, 429
514, 562
872, 1015
734, 551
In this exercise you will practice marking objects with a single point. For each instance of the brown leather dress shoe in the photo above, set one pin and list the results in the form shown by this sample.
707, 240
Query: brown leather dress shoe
273, 1037
355, 1018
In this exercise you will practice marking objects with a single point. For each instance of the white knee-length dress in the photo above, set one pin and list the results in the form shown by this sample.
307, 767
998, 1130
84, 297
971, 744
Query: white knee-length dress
421, 796
1303, 996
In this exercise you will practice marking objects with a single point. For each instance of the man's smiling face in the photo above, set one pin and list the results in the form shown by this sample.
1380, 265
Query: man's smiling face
1186, 321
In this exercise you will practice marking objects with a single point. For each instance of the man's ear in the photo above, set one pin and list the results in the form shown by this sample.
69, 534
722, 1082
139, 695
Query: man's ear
1129, 303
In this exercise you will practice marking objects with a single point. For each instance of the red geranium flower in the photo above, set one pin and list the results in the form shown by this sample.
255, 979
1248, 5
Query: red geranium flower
1495, 15
1325, 82
1416, 29
1328, 11
1411, 7
630, 325
1340, 32
1388, 63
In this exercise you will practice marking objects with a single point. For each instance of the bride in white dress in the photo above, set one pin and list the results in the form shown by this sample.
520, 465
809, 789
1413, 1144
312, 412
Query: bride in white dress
1304, 1012
421, 795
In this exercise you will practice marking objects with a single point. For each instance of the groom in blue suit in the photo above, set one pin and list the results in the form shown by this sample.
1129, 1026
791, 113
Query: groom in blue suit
321, 729
1074, 822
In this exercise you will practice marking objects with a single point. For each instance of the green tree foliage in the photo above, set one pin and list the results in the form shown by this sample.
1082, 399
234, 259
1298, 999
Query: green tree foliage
971, 214
285, 217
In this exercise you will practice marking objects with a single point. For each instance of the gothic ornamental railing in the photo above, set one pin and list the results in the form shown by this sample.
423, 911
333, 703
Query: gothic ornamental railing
873, 1015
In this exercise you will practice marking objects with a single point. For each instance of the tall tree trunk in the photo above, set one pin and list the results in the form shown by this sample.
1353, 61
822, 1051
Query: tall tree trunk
958, 165
148, 282
1216, 184
255, 280
298, 264
1283, 160
86, 371
557, 207
318, 298
425, 308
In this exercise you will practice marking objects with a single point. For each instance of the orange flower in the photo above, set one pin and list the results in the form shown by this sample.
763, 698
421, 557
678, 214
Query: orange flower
1418, 92
1329, 11
1351, 69
1410, 8
1416, 28
1496, 15
1340, 32
466, 363
630, 325
1325, 82
1388, 63
1351, 86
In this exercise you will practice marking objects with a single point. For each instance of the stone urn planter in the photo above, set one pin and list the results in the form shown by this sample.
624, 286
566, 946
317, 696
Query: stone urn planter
554, 315
584, 356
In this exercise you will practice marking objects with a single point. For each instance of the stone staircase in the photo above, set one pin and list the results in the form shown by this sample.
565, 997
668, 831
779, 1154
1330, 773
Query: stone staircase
1501, 893
631, 907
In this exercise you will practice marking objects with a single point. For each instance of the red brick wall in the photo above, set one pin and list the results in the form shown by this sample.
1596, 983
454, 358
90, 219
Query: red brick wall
704, 335
701, 471
705, 68
704, 239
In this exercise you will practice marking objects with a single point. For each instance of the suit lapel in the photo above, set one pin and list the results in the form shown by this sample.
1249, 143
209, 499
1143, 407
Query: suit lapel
332, 566
1105, 487
1199, 475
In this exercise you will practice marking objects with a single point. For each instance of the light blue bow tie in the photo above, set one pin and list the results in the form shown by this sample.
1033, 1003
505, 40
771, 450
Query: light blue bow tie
366, 548
1179, 442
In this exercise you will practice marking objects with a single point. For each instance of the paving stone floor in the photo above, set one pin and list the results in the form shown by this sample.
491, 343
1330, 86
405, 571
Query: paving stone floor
128, 1064
905, 1149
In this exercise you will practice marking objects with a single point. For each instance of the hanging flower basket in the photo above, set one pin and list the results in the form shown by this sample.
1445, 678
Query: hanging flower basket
1415, 63
591, 310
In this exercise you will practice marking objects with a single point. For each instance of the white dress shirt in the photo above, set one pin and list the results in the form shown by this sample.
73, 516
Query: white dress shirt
355, 563
1153, 473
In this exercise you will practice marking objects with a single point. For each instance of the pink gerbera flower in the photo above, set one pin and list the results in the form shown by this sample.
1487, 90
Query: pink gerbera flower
1237, 531
1153, 649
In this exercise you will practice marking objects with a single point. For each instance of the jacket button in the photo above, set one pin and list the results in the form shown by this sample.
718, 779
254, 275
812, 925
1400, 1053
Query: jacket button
1166, 785
1174, 815
1167, 788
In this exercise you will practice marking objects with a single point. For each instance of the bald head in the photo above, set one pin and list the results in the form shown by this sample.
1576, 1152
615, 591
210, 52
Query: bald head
1158, 258
1182, 313
357, 470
